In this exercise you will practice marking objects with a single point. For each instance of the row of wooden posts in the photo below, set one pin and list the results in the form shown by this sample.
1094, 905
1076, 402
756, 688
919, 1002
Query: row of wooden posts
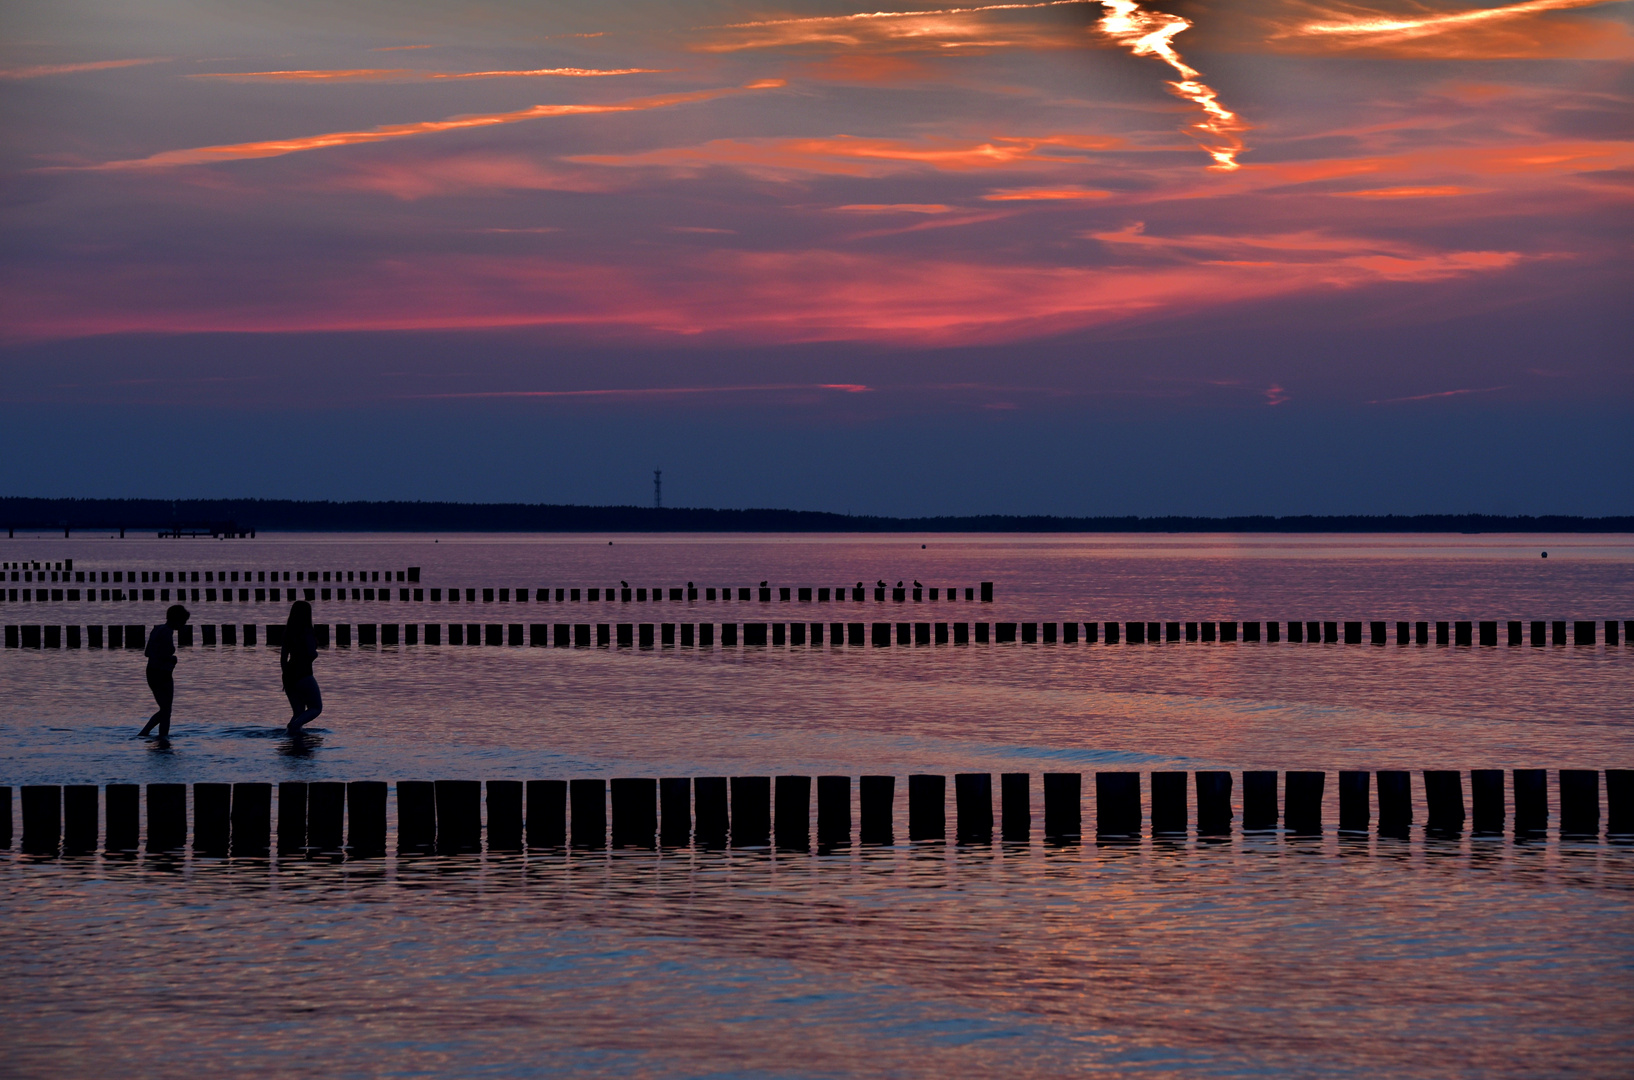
63, 572
261, 594
702, 635
751, 811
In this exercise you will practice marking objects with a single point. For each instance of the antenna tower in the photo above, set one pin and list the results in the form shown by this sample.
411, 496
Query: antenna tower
658, 489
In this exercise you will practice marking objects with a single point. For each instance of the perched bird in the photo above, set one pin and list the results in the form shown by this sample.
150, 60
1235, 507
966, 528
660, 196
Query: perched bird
762, 584
626, 584
916, 584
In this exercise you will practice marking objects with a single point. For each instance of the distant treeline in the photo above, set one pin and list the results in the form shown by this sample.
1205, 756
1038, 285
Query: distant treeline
285, 515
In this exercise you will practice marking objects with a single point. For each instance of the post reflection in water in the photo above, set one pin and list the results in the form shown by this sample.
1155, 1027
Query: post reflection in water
1232, 954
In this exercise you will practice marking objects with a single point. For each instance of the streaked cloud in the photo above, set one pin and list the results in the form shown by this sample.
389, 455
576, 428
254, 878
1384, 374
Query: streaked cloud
845, 155
769, 297
1438, 394
423, 177
205, 155
1341, 259
1060, 194
654, 391
969, 173
895, 208
411, 75
939, 29
37, 71
1526, 29
1408, 192
1377, 25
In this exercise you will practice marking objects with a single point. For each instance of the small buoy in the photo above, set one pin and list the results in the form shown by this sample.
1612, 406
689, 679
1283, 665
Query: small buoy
609, 543
921, 547
1545, 554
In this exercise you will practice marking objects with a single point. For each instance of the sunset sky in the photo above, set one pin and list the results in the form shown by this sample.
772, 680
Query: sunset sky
1234, 256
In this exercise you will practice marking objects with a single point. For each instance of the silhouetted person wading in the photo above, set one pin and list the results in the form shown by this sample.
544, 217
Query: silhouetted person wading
295, 658
161, 654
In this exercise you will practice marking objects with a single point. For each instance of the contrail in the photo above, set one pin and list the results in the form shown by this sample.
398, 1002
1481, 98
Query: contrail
1151, 33
203, 155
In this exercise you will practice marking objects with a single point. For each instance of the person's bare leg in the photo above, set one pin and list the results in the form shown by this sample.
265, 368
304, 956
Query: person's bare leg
164, 693
312, 698
153, 722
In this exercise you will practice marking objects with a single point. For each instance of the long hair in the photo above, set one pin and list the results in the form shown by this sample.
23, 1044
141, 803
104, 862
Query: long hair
300, 621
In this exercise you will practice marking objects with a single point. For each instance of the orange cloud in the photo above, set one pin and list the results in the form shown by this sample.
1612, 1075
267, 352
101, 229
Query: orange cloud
1045, 194
41, 70
278, 147
1444, 191
1337, 259
409, 74
845, 155
1440, 171
940, 29
1512, 30
865, 68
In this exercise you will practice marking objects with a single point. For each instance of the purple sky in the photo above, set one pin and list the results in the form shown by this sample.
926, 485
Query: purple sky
1207, 257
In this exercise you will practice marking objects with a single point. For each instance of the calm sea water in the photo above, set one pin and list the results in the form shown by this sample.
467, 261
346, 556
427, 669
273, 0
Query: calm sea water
1259, 955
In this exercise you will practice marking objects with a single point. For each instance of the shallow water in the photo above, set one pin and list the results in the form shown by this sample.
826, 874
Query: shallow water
1259, 955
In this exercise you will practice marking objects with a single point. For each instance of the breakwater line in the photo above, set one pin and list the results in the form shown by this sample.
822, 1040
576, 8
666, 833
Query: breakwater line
28, 585
453, 816
647, 635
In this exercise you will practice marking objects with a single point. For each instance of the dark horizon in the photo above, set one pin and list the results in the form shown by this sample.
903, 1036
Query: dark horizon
286, 515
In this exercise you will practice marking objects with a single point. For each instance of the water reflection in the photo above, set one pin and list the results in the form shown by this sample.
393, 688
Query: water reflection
1242, 954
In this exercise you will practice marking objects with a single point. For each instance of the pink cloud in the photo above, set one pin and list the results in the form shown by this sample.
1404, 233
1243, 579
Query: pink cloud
750, 296
463, 174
